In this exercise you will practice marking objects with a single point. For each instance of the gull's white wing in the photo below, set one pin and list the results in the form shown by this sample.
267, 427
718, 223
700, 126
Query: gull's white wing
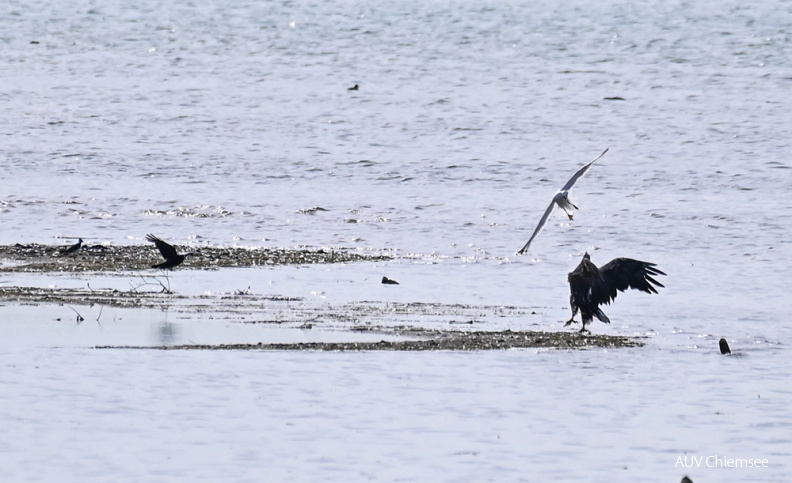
582, 171
539, 227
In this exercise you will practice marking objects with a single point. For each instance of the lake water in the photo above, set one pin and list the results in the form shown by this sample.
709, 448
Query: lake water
230, 123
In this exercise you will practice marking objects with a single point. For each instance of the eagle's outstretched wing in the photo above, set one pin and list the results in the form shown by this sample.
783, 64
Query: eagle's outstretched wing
621, 274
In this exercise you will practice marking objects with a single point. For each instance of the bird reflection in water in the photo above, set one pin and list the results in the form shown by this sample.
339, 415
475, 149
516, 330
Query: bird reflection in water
167, 333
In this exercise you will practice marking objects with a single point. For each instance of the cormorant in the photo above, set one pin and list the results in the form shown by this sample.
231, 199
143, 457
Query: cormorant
589, 286
353, 88
72, 249
561, 199
172, 258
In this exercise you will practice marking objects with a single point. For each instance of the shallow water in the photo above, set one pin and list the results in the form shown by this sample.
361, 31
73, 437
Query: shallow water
232, 125
626, 415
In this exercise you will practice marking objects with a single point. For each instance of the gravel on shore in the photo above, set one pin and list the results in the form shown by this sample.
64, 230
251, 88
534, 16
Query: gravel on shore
433, 340
112, 258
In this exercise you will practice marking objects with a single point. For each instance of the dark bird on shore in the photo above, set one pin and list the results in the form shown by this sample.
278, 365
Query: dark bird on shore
72, 249
388, 281
724, 347
561, 199
589, 286
353, 88
172, 258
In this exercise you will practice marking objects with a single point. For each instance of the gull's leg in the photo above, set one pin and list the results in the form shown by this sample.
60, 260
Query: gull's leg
573, 206
567, 204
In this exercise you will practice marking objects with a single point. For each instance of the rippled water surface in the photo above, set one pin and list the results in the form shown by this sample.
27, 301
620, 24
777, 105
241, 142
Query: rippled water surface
231, 123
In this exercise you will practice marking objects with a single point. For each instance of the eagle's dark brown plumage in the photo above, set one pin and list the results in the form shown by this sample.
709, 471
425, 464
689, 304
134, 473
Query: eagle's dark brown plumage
590, 287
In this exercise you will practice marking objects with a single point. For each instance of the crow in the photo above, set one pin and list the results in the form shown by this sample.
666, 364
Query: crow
172, 258
589, 286
71, 249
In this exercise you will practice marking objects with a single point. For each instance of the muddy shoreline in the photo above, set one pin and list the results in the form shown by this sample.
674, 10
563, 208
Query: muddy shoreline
415, 326
410, 326
432, 340
111, 258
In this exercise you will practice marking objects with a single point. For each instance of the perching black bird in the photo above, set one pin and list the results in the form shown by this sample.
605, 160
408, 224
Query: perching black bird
589, 286
72, 249
172, 258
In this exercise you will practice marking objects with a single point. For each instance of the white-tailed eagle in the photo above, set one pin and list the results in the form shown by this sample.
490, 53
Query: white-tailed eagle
590, 287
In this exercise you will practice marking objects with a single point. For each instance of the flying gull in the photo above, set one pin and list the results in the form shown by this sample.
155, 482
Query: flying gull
589, 286
172, 258
560, 199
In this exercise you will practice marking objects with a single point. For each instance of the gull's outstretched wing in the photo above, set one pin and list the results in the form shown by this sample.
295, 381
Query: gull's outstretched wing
582, 171
539, 227
166, 249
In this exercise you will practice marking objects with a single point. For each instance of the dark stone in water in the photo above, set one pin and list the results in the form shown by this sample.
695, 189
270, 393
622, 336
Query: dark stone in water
724, 348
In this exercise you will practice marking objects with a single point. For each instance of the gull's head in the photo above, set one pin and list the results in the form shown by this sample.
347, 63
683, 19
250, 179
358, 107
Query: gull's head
561, 198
